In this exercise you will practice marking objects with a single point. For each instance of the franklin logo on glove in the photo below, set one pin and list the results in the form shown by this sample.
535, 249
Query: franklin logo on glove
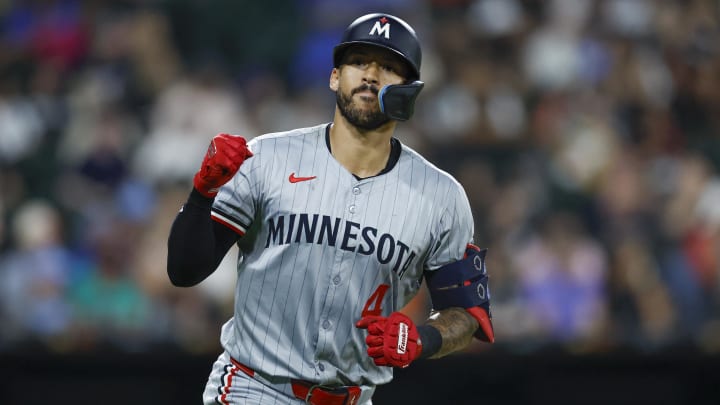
402, 338
211, 149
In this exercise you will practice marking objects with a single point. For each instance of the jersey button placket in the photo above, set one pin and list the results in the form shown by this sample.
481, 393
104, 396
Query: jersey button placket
326, 326
353, 207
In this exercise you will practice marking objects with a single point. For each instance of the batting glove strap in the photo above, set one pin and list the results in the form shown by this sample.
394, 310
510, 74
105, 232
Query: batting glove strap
431, 340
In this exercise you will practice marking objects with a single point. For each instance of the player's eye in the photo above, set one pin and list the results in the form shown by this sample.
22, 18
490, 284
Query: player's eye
356, 61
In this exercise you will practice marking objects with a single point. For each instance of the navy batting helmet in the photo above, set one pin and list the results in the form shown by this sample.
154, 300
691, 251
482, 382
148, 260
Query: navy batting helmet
386, 31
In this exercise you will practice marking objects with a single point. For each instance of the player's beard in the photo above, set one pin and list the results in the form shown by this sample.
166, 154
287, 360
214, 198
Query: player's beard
359, 117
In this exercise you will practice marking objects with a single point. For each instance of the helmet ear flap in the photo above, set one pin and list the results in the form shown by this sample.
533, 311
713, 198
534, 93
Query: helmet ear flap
397, 101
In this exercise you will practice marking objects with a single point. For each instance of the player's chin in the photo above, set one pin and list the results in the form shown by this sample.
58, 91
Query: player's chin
371, 121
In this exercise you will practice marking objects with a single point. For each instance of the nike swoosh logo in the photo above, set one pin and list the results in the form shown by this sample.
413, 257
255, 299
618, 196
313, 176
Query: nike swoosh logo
294, 179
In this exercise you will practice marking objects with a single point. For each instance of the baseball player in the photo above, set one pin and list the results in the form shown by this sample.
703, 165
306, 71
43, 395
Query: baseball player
338, 225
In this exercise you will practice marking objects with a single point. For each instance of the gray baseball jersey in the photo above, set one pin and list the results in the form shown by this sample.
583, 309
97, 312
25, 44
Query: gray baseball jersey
320, 248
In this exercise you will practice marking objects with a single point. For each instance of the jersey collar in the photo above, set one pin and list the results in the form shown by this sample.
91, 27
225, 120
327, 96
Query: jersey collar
395, 149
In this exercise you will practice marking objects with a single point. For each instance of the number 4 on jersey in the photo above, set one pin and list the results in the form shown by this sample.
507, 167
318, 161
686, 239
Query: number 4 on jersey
376, 301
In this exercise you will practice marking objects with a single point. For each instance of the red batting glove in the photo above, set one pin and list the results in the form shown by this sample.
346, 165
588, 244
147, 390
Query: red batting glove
393, 341
222, 160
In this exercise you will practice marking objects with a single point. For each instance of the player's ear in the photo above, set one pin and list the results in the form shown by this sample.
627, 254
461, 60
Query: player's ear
334, 79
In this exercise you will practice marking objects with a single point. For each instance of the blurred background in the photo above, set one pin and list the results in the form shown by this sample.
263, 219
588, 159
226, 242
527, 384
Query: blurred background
585, 132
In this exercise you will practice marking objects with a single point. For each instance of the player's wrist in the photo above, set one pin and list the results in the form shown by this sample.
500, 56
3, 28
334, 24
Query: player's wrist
431, 341
200, 200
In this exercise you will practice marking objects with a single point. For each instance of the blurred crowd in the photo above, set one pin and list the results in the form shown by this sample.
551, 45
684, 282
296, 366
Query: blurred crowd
585, 132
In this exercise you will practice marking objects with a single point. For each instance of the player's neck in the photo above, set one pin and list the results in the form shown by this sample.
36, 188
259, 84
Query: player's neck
362, 153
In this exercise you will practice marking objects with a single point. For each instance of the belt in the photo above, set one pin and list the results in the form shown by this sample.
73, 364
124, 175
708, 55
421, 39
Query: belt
315, 394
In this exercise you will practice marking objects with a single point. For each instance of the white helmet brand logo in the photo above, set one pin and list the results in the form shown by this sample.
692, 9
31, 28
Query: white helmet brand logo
381, 27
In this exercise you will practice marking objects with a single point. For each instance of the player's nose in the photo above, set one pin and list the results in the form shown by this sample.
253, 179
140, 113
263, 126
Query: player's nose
372, 73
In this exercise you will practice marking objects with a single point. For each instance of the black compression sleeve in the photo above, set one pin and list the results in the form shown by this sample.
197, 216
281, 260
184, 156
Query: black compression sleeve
196, 244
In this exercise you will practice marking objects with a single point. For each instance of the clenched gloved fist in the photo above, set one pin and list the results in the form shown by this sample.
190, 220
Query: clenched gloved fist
223, 159
392, 341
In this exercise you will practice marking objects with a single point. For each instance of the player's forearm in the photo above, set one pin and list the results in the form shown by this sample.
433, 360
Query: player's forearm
456, 327
195, 246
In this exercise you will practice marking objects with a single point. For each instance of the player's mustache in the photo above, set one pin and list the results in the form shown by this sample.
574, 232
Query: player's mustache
364, 87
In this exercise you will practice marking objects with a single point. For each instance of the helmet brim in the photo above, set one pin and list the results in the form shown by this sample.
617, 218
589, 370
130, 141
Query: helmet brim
340, 50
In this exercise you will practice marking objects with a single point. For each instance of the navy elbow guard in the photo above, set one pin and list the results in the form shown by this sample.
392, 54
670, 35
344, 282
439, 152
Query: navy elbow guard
464, 284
